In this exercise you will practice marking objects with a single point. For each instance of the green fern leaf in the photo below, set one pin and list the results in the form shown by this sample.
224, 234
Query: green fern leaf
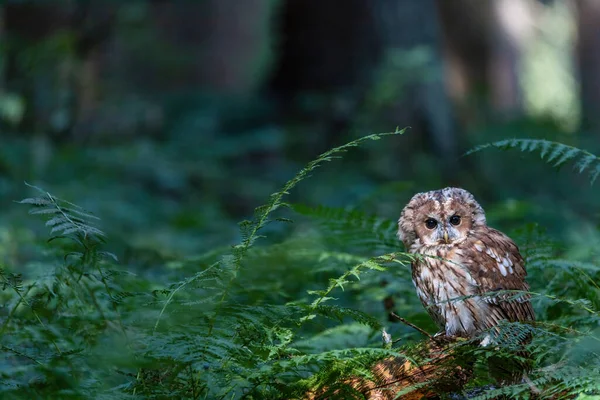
553, 153
64, 218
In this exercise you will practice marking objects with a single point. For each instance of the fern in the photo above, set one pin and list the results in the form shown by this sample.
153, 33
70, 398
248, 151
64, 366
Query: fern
370, 264
553, 153
250, 229
353, 228
339, 313
240, 323
66, 312
249, 336
64, 218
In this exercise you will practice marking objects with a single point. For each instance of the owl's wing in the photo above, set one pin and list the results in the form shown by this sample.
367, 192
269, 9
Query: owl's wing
495, 264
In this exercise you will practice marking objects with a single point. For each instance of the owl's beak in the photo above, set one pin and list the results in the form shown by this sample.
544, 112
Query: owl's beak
446, 237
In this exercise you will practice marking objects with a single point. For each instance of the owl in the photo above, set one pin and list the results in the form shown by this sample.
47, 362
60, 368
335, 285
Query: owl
463, 262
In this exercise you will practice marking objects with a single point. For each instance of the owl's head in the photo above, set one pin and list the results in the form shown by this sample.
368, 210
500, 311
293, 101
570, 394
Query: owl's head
444, 216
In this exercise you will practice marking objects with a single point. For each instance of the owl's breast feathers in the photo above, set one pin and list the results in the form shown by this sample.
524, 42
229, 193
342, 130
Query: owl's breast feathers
473, 285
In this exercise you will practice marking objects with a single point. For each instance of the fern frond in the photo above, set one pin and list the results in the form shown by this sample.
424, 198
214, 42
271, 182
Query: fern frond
332, 355
341, 336
354, 228
11, 280
208, 274
369, 264
64, 218
572, 265
250, 229
554, 153
339, 313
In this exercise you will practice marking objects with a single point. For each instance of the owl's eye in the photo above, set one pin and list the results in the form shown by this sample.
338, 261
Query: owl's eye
455, 219
430, 223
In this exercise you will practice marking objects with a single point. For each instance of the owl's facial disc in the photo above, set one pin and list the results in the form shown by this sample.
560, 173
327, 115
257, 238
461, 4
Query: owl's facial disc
444, 224
446, 216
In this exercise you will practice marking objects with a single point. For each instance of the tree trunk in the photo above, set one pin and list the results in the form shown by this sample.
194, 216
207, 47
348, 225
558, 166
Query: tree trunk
412, 29
226, 42
512, 25
326, 54
588, 53
59, 41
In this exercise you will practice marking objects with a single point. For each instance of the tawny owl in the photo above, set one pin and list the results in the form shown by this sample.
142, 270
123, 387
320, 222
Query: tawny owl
464, 259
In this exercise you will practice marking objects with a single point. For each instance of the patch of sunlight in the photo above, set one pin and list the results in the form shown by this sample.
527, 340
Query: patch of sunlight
550, 88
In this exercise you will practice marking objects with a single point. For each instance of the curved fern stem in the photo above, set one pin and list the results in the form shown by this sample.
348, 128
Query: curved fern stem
371, 263
250, 229
554, 153
177, 289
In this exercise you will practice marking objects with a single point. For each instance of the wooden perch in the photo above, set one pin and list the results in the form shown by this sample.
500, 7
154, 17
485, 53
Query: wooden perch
445, 369
441, 372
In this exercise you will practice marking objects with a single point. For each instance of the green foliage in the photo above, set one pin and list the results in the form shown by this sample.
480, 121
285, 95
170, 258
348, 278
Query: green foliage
64, 218
285, 311
553, 153
196, 338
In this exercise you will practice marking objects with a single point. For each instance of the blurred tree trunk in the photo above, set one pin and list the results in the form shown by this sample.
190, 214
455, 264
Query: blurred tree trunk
237, 50
411, 26
227, 41
465, 26
334, 58
326, 54
25, 25
324, 45
484, 45
3, 52
512, 25
93, 24
50, 62
588, 53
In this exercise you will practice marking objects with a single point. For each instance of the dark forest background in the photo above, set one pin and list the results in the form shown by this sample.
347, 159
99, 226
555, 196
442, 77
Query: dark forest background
174, 120
208, 106
203, 108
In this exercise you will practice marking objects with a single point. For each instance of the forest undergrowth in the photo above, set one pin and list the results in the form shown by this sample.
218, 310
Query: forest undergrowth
295, 309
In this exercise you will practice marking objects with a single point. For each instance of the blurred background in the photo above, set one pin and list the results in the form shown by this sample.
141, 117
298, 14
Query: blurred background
173, 120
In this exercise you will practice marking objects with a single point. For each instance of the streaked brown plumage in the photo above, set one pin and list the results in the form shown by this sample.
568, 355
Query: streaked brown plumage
462, 257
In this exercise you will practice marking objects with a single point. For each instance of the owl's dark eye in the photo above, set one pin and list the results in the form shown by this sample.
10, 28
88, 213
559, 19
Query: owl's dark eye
455, 219
430, 223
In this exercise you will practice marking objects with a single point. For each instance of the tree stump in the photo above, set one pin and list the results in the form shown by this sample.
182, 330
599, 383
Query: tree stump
440, 368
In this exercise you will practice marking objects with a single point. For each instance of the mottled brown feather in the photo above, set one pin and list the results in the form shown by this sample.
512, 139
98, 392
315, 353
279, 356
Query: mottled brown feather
463, 264
486, 273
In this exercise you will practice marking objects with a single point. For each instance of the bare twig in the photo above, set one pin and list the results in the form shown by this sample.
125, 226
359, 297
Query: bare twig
399, 318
